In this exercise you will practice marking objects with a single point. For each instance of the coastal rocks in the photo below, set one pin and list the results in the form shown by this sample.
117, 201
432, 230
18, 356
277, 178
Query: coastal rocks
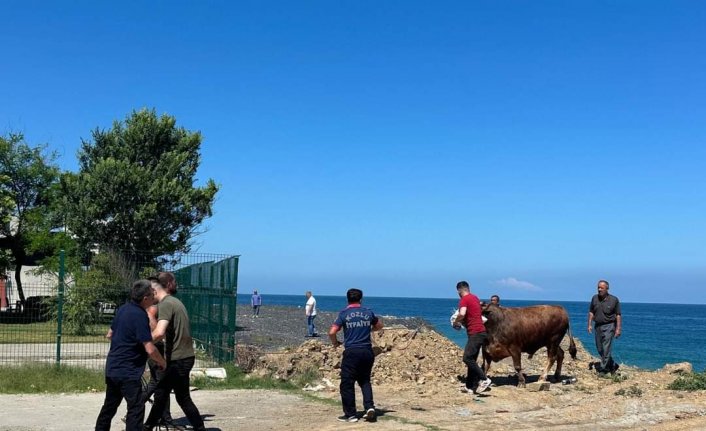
678, 368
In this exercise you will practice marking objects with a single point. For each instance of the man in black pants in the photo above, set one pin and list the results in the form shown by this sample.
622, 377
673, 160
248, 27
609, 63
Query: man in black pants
357, 323
130, 344
173, 326
157, 374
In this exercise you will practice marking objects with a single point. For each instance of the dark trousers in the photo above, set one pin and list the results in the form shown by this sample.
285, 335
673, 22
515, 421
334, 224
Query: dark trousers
604, 344
356, 365
176, 377
116, 390
470, 358
255, 310
156, 376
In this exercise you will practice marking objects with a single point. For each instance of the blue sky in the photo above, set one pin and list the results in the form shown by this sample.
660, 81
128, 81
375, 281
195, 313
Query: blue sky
528, 147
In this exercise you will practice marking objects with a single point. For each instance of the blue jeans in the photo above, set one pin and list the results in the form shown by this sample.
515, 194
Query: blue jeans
310, 325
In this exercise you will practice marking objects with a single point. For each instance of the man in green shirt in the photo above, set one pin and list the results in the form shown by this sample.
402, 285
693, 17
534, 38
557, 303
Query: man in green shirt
173, 326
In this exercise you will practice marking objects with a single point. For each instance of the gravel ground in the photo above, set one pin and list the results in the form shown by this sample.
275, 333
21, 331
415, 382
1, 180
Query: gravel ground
278, 327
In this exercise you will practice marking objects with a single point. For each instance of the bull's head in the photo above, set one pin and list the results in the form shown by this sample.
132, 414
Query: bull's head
492, 312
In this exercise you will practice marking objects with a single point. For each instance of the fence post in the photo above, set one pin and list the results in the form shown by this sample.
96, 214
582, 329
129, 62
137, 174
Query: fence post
60, 308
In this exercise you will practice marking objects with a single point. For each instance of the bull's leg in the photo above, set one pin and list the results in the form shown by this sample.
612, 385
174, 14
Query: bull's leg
517, 363
551, 357
486, 361
559, 361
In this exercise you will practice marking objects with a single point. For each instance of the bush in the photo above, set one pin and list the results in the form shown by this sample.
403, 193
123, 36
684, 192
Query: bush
689, 382
633, 391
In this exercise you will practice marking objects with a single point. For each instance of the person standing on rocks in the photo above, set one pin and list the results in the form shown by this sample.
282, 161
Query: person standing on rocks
357, 323
469, 316
310, 310
256, 302
605, 312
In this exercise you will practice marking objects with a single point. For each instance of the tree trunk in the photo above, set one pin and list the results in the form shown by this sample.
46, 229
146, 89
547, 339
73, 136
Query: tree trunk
18, 281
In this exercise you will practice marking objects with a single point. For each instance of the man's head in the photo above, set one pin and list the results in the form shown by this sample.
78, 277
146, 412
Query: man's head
603, 288
463, 288
354, 296
495, 299
164, 284
308, 294
142, 293
254, 292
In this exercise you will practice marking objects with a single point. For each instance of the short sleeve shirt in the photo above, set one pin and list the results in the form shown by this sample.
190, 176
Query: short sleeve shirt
605, 310
357, 323
127, 355
178, 343
473, 320
311, 306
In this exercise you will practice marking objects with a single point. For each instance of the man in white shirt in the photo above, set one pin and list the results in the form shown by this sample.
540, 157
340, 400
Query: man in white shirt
310, 309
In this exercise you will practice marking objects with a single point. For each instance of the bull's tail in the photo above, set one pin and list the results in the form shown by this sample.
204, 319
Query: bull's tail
572, 345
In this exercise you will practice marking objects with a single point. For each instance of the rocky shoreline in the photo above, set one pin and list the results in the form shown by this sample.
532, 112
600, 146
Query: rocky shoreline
417, 376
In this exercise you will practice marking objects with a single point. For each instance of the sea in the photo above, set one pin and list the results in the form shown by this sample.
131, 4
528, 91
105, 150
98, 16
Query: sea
653, 334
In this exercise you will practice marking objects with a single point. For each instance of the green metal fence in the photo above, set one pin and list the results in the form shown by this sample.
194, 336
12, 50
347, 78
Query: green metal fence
65, 316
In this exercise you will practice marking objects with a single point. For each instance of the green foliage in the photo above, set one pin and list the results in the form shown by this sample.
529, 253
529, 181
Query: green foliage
108, 279
689, 382
633, 391
43, 378
27, 181
135, 188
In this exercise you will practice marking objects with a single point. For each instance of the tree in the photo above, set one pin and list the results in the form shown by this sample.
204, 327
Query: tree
27, 179
134, 191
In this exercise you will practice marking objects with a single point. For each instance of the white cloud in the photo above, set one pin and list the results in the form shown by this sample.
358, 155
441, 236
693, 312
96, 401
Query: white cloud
514, 283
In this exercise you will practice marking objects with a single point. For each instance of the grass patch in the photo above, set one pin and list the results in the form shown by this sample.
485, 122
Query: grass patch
633, 391
45, 332
689, 382
237, 379
45, 378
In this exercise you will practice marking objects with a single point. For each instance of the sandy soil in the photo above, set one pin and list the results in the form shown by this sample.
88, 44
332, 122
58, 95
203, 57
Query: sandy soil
504, 408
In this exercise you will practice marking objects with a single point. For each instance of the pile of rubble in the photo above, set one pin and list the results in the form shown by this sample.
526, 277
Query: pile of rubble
404, 357
418, 359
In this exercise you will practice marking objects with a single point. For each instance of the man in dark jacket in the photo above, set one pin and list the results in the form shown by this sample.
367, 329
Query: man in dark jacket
130, 345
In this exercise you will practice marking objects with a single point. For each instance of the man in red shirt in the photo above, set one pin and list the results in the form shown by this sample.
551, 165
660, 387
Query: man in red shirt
469, 316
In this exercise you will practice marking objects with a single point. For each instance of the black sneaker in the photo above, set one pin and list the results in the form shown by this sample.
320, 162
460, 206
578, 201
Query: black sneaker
345, 418
370, 415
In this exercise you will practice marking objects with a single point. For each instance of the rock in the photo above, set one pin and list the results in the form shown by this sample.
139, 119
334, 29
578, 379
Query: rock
678, 368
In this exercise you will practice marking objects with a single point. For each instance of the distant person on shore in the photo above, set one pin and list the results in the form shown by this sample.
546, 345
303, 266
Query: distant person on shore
469, 316
357, 323
495, 299
256, 301
605, 312
310, 310
130, 345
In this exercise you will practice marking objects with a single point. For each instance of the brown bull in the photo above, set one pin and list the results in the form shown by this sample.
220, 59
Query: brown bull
512, 331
